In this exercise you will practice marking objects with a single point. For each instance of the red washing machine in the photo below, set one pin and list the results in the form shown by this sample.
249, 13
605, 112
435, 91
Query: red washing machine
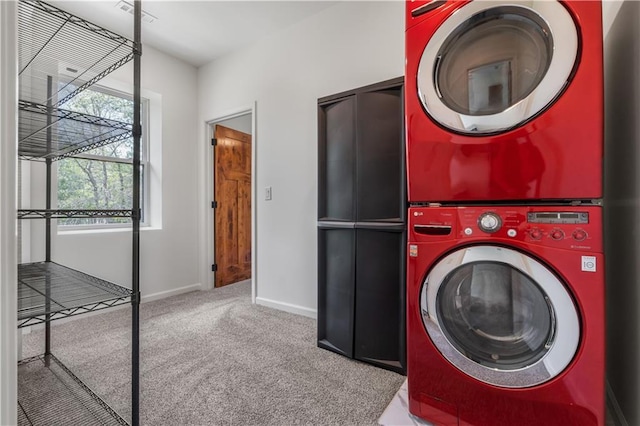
505, 316
504, 100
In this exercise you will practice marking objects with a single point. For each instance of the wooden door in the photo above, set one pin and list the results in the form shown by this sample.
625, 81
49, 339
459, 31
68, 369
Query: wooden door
232, 183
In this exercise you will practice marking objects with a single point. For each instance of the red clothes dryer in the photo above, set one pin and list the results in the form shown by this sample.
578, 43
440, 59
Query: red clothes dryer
505, 316
504, 100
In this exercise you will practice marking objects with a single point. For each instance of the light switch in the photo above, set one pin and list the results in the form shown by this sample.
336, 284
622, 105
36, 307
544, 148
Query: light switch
267, 193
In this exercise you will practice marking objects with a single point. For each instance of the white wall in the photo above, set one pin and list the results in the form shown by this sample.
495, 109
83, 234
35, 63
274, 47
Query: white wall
169, 248
8, 250
242, 123
348, 45
622, 203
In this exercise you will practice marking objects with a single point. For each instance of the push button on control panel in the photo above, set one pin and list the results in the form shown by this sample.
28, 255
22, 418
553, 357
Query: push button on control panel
556, 234
579, 235
535, 234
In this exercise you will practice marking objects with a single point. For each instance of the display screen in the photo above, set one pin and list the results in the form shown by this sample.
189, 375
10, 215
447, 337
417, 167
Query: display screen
558, 217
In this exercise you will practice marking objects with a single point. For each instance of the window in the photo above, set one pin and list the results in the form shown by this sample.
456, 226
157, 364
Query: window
102, 178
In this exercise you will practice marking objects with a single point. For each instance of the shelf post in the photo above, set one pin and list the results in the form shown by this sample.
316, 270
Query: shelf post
135, 297
47, 333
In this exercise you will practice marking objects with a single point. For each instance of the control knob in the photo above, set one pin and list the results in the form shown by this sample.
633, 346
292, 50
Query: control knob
489, 222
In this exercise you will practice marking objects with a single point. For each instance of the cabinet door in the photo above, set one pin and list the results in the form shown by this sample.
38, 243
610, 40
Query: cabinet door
336, 278
380, 298
336, 165
380, 156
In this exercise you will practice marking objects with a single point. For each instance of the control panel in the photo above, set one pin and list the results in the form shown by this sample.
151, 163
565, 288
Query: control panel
568, 227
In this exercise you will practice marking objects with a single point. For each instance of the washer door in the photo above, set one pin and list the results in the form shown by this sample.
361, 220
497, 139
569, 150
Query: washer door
491, 67
500, 316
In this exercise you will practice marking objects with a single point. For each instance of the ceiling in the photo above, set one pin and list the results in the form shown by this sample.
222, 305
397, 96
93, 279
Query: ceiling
198, 31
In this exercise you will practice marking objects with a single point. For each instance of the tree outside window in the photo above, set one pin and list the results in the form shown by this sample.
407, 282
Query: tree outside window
101, 178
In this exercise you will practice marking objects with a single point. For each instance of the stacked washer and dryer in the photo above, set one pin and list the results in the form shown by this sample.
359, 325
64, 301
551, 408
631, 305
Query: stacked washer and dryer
505, 279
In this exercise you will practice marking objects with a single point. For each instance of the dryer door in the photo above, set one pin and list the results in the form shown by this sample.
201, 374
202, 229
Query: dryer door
500, 316
491, 67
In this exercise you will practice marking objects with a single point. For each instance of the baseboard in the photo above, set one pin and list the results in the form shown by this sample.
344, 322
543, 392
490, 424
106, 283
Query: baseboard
287, 307
168, 293
614, 408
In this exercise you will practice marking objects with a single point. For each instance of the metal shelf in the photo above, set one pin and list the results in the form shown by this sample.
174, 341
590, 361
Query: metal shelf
75, 52
54, 133
69, 213
69, 292
52, 395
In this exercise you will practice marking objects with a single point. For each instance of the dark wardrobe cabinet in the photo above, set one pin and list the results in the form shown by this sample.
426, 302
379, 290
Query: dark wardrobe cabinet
361, 224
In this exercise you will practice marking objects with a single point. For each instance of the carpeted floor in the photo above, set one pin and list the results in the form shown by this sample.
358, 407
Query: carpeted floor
211, 357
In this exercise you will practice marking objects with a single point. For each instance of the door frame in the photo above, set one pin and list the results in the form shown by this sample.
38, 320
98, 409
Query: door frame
208, 227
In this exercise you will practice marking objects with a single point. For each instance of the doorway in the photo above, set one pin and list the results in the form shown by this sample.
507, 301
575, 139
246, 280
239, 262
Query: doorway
232, 206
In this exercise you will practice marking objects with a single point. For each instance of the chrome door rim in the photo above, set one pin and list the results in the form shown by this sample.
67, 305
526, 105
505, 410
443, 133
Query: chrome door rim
565, 36
567, 329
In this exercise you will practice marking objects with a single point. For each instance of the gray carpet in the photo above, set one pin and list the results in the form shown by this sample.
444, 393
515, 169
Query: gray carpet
212, 357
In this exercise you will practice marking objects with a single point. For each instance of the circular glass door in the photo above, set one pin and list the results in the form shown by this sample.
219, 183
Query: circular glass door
500, 316
490, 68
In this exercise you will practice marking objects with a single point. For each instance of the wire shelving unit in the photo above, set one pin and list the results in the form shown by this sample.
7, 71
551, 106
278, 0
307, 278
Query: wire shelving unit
60, 55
